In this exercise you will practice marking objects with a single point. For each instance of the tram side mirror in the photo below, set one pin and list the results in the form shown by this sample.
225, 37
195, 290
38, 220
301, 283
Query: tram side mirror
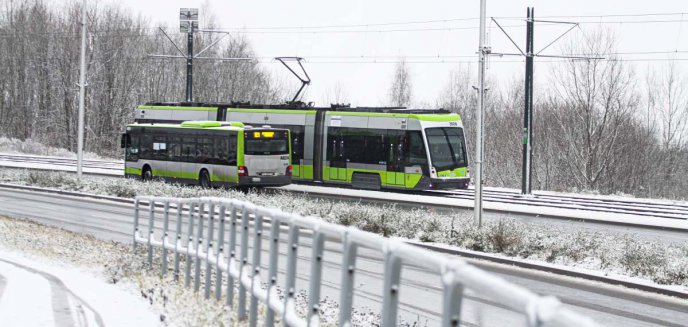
125, 141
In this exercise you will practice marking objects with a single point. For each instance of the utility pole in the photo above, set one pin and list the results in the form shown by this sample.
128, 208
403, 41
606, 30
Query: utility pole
82, 94
526, 168
483, 51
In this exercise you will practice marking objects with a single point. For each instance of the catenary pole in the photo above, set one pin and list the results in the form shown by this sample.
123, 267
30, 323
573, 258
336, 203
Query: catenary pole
527, 169
479, 120
189, 64
82, 94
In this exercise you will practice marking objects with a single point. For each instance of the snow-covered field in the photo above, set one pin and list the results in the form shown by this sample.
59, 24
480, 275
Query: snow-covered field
16, 146
616, 254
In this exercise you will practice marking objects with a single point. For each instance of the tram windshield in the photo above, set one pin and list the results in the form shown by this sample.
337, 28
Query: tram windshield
447, 147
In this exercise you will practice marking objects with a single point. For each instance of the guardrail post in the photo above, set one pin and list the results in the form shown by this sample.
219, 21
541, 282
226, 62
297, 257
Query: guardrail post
290, 287
189, 246
199, 243
349, 250
390, 300
178, 244
165, 227
220, 253
243, 263
272, 268
151, 225
232, 254
452, 299
315, 277
255, 277
209, 250
137, 203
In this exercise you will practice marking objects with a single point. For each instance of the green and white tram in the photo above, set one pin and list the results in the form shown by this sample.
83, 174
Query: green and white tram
371, 148
208, 153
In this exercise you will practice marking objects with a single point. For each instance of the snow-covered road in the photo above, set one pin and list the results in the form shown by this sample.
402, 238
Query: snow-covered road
38, 293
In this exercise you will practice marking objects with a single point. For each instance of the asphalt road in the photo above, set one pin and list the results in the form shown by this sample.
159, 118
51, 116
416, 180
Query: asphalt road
420, 294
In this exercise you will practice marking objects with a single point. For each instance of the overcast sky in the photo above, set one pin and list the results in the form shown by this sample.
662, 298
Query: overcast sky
353, 44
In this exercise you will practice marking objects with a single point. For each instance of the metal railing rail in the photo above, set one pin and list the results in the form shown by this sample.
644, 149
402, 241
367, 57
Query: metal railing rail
242, 220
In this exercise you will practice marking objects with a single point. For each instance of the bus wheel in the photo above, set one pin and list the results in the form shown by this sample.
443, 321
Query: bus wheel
147, 174
204, 179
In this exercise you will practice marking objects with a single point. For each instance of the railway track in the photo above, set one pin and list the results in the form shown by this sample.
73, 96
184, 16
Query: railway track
648, 208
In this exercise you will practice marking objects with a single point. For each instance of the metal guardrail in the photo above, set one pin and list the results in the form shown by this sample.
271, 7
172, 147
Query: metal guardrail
230, 261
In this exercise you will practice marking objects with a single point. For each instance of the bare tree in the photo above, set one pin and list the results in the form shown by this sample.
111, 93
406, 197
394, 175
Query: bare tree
597, 100
401, 88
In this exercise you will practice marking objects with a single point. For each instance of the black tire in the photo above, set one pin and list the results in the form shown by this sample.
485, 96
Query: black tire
204, 179
146, 174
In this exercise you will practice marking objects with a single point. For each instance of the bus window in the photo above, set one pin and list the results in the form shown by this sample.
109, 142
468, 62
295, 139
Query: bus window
132, 149
159, 147
233, 150
204, 149
174, 148
188, 148
146, 146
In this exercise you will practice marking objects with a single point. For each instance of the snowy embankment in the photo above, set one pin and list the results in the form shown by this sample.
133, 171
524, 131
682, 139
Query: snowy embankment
16, 146
105, 275
615, 254
114, 284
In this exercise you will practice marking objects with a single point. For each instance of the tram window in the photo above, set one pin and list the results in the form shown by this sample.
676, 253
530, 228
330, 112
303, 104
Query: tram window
416, 150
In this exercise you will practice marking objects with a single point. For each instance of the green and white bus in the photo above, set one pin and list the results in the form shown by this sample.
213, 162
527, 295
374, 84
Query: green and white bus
371, 148
208, 153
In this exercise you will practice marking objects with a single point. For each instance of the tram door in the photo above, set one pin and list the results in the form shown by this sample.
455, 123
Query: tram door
394, 148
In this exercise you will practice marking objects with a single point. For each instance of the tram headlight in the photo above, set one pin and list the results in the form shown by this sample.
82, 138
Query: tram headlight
433, 172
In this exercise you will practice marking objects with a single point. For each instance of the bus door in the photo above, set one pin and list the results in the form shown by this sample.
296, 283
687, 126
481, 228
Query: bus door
394, 149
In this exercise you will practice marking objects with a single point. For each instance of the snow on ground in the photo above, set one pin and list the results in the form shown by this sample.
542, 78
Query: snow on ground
16, 146
104, 276
34, 293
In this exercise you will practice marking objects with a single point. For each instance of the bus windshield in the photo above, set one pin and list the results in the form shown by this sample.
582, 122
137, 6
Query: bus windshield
266, 142
447, 147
